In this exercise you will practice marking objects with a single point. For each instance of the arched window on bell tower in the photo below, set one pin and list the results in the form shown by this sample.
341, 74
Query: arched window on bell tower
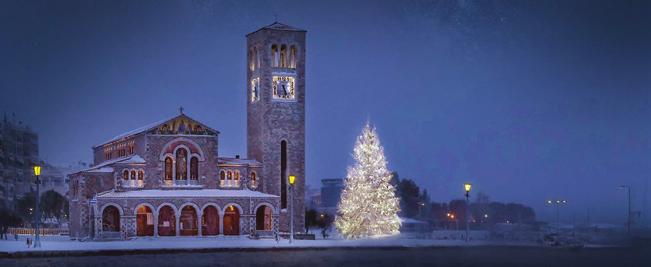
274, 56
292, 57
283, 56
283, 174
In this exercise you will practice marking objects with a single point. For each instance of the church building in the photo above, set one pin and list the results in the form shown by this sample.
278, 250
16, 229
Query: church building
168, 178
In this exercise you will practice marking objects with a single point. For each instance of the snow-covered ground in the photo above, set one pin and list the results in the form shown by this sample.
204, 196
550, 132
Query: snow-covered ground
62, 243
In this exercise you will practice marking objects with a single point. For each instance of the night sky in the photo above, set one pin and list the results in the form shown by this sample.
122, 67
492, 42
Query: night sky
528, 100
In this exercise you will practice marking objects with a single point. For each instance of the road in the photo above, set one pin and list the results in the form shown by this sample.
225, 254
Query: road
433, 256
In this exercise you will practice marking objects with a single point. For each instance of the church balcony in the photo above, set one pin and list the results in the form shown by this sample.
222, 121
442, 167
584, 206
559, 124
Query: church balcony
132, 183
229, 183
187, 184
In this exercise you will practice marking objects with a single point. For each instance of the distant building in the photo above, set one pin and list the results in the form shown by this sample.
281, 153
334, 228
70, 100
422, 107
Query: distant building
18, 153
312, 198
56, 177
330, 194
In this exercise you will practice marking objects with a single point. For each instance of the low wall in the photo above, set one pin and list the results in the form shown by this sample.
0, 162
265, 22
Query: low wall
42, 231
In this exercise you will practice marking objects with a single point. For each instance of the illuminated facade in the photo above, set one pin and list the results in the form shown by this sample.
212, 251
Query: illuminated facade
167, 178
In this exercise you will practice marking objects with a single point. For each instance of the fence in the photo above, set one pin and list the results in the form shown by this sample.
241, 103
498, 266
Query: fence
42, 231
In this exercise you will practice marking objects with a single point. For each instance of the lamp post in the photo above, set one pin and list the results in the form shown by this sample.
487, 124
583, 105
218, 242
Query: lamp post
628, 218
467, 187
292, 179
37, 240
557, 203
420, 209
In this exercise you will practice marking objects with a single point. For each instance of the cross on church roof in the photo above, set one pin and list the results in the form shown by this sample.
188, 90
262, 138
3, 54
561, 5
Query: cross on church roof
181, 109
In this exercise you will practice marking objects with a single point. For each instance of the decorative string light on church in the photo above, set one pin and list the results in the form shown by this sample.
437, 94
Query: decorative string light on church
368, 206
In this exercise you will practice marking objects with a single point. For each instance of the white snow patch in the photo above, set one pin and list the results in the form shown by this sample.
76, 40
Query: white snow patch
59, 243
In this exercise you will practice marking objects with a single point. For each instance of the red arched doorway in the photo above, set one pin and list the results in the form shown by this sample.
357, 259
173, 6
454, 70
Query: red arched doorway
188, 222
263, 218
144, 221
210, 221
166, 222
111, 219
231, 221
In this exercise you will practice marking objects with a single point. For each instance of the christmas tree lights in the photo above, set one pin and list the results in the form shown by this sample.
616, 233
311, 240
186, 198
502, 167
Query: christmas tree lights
368, 206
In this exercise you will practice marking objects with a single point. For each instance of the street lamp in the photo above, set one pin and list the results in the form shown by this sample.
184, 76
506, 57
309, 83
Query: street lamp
467, 187
557, 203
292, 179
37, 173
420, 209
628, 218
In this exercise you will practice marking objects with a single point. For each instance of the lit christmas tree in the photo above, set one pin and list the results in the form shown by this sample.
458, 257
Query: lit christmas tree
368, 205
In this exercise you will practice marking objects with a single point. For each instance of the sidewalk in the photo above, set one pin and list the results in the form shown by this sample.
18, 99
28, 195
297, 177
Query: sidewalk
61, 245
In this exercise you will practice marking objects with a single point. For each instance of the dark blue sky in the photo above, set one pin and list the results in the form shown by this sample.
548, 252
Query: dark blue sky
528, 100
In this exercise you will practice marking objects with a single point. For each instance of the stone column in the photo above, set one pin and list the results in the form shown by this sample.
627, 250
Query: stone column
199, 214
155, 214
178, 224
187, 168
221, 223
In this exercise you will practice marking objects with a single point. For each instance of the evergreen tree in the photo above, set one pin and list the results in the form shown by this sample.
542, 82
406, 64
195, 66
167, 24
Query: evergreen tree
368, 205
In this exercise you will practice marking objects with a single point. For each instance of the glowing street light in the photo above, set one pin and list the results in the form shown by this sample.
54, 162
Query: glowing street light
557, 203
467, 187
291, 179
37, 173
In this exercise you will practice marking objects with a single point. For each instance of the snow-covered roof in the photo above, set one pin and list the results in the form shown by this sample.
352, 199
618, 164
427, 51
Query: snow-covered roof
103, 167
237, 161
149, 127
133, 132
180, 193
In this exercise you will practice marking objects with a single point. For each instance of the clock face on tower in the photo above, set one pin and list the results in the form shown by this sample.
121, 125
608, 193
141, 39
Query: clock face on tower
284, 87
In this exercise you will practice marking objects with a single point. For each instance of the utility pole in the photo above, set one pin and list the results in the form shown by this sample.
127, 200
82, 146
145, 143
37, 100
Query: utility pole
628, 218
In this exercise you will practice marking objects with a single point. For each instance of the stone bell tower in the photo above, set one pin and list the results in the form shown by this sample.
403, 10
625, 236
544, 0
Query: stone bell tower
276, 114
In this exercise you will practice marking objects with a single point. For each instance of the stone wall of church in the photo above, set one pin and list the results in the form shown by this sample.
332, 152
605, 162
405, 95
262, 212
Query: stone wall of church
269, 122
155, 167
83, 187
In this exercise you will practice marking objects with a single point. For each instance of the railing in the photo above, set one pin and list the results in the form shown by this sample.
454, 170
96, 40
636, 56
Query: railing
229, 183
42, 231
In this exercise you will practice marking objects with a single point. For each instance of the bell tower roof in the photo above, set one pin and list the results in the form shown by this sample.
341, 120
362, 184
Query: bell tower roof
279, 27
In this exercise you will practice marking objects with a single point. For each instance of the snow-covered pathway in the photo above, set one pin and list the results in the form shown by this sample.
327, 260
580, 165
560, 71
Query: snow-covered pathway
63, 244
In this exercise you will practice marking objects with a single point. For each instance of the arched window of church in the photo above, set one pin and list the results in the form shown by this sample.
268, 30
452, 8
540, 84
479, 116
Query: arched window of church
181, 164
168, 168
237, 175
222, 175
274, 56
229, 175
194, 168
283, 56
133, 175
254, 179
292, 57
125, 174
141, 175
